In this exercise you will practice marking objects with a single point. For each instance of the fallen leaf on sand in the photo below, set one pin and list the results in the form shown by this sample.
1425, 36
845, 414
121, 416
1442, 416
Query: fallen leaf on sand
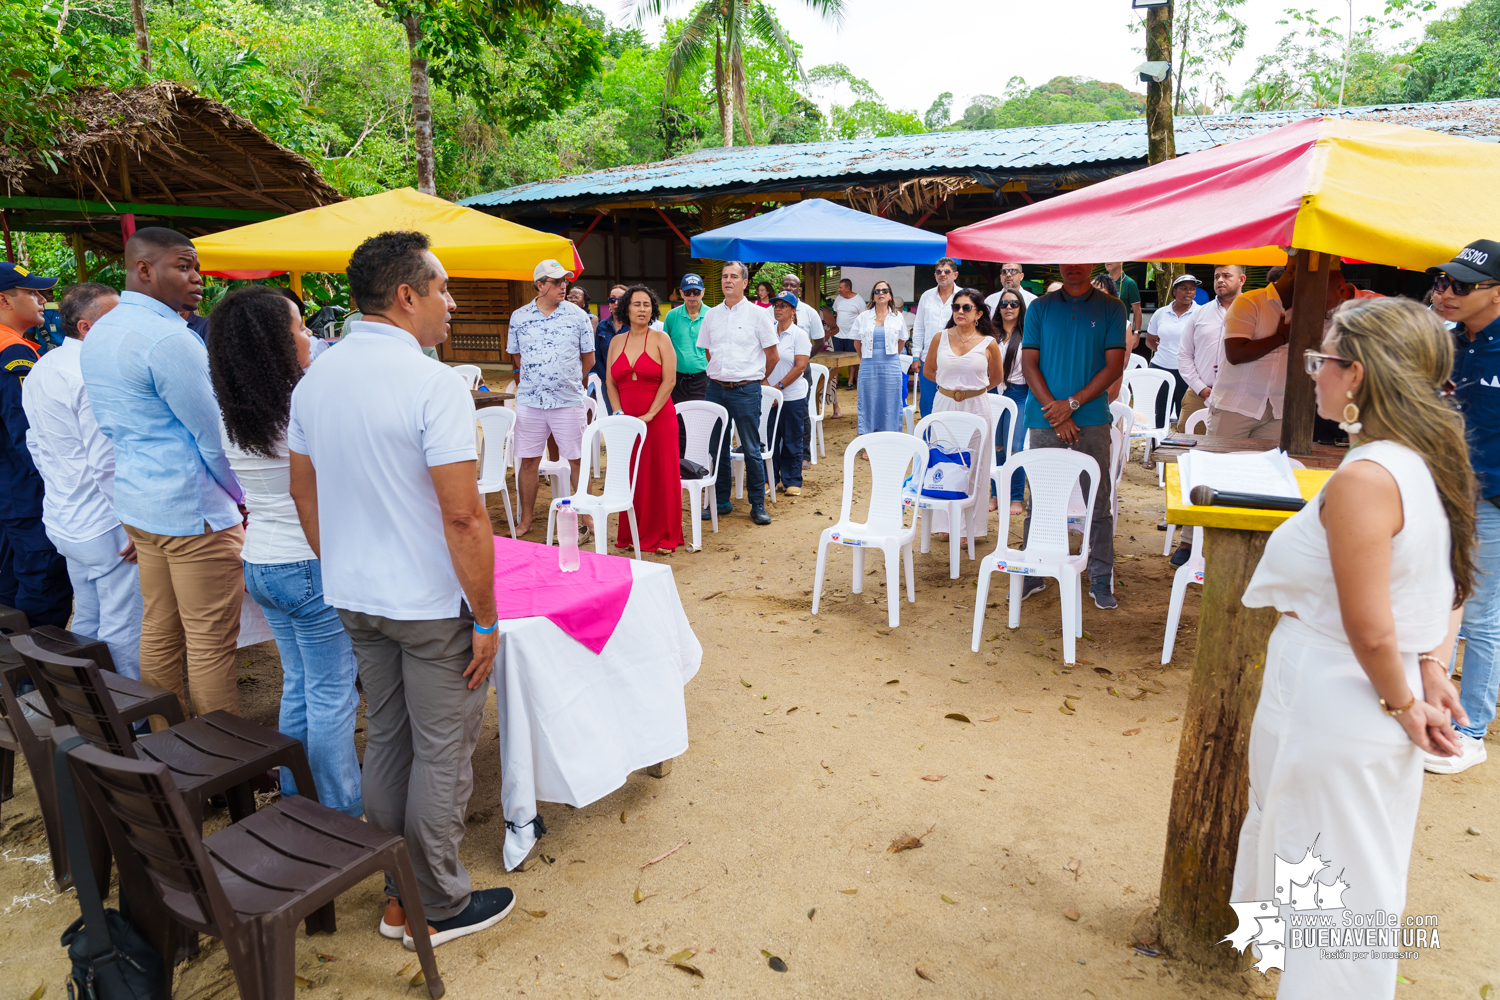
947, 899
1170, 718
957, 681
1071, 914
1486, 992
1073, 865
321, 957
848, 892
1404, 981
776, 964
688, 968
933, 777
1102, 672
994, 718
683, 955
407, 967
417, 980
37, 993
1138, 697
896, 681
746, 683
959, 716
810, 911
307, 983
1026, 710
668, 854
791, 710
1130, 732
772, 711
539, 914
1066, 709
923, 974
990, 776
1482, 878
622, 815
907, 842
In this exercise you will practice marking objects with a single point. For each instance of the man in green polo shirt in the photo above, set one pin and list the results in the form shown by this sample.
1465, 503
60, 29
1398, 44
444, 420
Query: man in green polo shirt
1130, 294
1072, 351
682, 325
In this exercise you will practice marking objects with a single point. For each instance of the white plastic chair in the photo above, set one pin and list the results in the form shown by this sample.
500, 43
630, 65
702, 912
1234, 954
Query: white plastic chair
908, 418
1136, 361
699, 418
769, 396
510, 387
999, 406
561, 471
1051, 473
1197, 423
622, 435
497, 425
817, 402
1119, 453
596, 391
472, 374
892, 457
1142, 389
970, 433
1189, 572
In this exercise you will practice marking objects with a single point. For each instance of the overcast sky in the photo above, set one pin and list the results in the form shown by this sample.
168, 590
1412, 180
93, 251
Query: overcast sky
910, 62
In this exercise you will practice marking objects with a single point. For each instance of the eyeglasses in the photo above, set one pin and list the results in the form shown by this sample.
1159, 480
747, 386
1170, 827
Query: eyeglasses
1443, 283
1009, 304
963, 307
1011, 270
1313, 361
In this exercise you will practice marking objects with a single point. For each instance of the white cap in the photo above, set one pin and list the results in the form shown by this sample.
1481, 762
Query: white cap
550, 269
1185, 277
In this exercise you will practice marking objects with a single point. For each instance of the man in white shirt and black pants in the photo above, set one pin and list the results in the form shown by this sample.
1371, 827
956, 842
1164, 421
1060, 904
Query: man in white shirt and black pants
382, 464
741, 340
77, 463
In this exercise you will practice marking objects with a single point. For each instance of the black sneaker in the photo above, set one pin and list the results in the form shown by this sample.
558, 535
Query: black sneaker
759, 515
487, 907
1034, 585
1103, 599
724, 508
1180, 555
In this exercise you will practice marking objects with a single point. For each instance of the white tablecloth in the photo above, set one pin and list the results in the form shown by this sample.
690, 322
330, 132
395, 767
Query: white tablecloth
573, 725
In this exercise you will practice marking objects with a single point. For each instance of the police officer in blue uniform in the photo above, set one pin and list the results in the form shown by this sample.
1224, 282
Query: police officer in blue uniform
33, 577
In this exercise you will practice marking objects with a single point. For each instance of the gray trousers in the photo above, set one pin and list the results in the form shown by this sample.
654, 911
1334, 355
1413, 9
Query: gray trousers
1094, 442
422, 726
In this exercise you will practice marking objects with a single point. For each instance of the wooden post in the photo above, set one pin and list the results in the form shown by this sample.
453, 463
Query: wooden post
10, 251
1309, 308
80, 264
1211, 790
297, 283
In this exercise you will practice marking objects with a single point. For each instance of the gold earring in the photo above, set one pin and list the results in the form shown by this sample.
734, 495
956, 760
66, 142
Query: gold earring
1350, 424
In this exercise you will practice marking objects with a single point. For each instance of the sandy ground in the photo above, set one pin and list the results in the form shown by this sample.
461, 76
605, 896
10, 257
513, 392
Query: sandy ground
815, 742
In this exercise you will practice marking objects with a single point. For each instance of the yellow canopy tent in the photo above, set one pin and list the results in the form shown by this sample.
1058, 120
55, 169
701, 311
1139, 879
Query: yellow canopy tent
470, 244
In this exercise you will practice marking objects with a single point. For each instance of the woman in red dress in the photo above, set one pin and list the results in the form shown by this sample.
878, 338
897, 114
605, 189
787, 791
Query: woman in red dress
642, 371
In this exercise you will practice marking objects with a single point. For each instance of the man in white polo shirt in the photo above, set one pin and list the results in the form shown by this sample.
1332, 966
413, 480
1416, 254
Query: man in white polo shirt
382, 456
740, 338
553, 347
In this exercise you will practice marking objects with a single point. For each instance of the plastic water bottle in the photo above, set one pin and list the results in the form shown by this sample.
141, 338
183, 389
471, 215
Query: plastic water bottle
567, 537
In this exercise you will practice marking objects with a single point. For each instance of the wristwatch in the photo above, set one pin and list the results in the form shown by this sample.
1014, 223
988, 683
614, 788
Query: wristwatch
1072, 403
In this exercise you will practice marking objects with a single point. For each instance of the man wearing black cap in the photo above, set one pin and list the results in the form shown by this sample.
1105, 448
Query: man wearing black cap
1466, 291
33, 577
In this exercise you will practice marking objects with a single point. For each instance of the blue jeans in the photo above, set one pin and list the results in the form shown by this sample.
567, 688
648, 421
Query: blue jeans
743, 404
1481, 683
926, 393
318, 700
1017, 394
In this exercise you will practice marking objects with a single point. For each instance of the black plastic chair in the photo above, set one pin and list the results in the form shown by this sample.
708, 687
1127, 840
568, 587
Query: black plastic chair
251, 883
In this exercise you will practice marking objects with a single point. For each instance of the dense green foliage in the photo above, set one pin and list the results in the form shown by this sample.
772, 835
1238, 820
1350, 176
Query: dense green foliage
1059, 100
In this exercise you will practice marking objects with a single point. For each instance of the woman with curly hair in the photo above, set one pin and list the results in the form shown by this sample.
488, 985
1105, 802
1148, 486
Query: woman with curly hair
257, 351
642, 371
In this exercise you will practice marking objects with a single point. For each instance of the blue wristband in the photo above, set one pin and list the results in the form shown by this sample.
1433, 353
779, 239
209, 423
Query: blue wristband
486, 631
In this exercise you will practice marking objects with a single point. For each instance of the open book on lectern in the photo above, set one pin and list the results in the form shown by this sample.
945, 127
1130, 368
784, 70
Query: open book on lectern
1268, 473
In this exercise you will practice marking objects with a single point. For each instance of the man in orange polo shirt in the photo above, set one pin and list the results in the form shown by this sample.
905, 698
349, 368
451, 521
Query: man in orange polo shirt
33, 577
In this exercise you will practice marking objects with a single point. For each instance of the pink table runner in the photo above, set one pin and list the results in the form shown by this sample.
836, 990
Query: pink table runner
586, 604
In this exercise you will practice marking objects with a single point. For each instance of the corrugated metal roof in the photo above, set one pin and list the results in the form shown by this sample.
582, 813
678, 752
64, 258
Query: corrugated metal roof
996, 151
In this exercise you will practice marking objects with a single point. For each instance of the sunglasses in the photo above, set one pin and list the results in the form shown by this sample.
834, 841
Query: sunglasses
881, 291
1313, 361
963, 307
1011, 270
686, 292
945, 270
1443, 283
1009, 304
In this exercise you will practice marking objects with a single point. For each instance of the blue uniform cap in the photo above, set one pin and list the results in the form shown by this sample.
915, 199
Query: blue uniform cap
16, 276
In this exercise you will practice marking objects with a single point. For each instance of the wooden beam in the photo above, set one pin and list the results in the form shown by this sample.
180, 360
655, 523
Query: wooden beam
1210, 793
89, 208
213, 174
125, 174
80, 265
685, 241
1309, 308
10, 253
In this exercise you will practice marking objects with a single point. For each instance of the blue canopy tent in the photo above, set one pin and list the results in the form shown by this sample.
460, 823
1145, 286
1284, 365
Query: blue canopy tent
820, 230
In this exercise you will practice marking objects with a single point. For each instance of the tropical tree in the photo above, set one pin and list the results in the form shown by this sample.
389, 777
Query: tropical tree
730, 25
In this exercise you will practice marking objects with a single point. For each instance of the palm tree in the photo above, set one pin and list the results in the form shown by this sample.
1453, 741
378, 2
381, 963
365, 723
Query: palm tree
728, 24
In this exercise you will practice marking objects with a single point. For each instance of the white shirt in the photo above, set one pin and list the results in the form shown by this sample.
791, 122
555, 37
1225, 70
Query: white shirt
274, 535
846, 311
374, 416
1296, 574
1201, 352
991, 300
793, 342
1247, 388
1170, 328
736, 340
893, 333
76, 460
933, 314
808, 319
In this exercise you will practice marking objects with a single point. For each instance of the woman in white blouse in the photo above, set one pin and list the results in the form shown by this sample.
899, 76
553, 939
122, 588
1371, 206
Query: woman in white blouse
257, 349
1355, 687
880, 332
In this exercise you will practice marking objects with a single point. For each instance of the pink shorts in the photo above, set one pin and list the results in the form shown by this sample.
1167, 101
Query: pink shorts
565, 424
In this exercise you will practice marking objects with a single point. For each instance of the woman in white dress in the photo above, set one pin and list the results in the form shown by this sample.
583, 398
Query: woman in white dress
965, 362
1367, 577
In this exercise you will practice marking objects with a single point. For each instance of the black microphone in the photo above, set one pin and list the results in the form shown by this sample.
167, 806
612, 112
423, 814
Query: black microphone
1207, 496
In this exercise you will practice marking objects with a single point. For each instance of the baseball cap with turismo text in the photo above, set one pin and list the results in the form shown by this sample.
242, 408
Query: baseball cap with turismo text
1479, 261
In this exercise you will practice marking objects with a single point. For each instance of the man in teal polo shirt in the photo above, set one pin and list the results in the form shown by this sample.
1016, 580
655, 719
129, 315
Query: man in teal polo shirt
1072, 351
682, 325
